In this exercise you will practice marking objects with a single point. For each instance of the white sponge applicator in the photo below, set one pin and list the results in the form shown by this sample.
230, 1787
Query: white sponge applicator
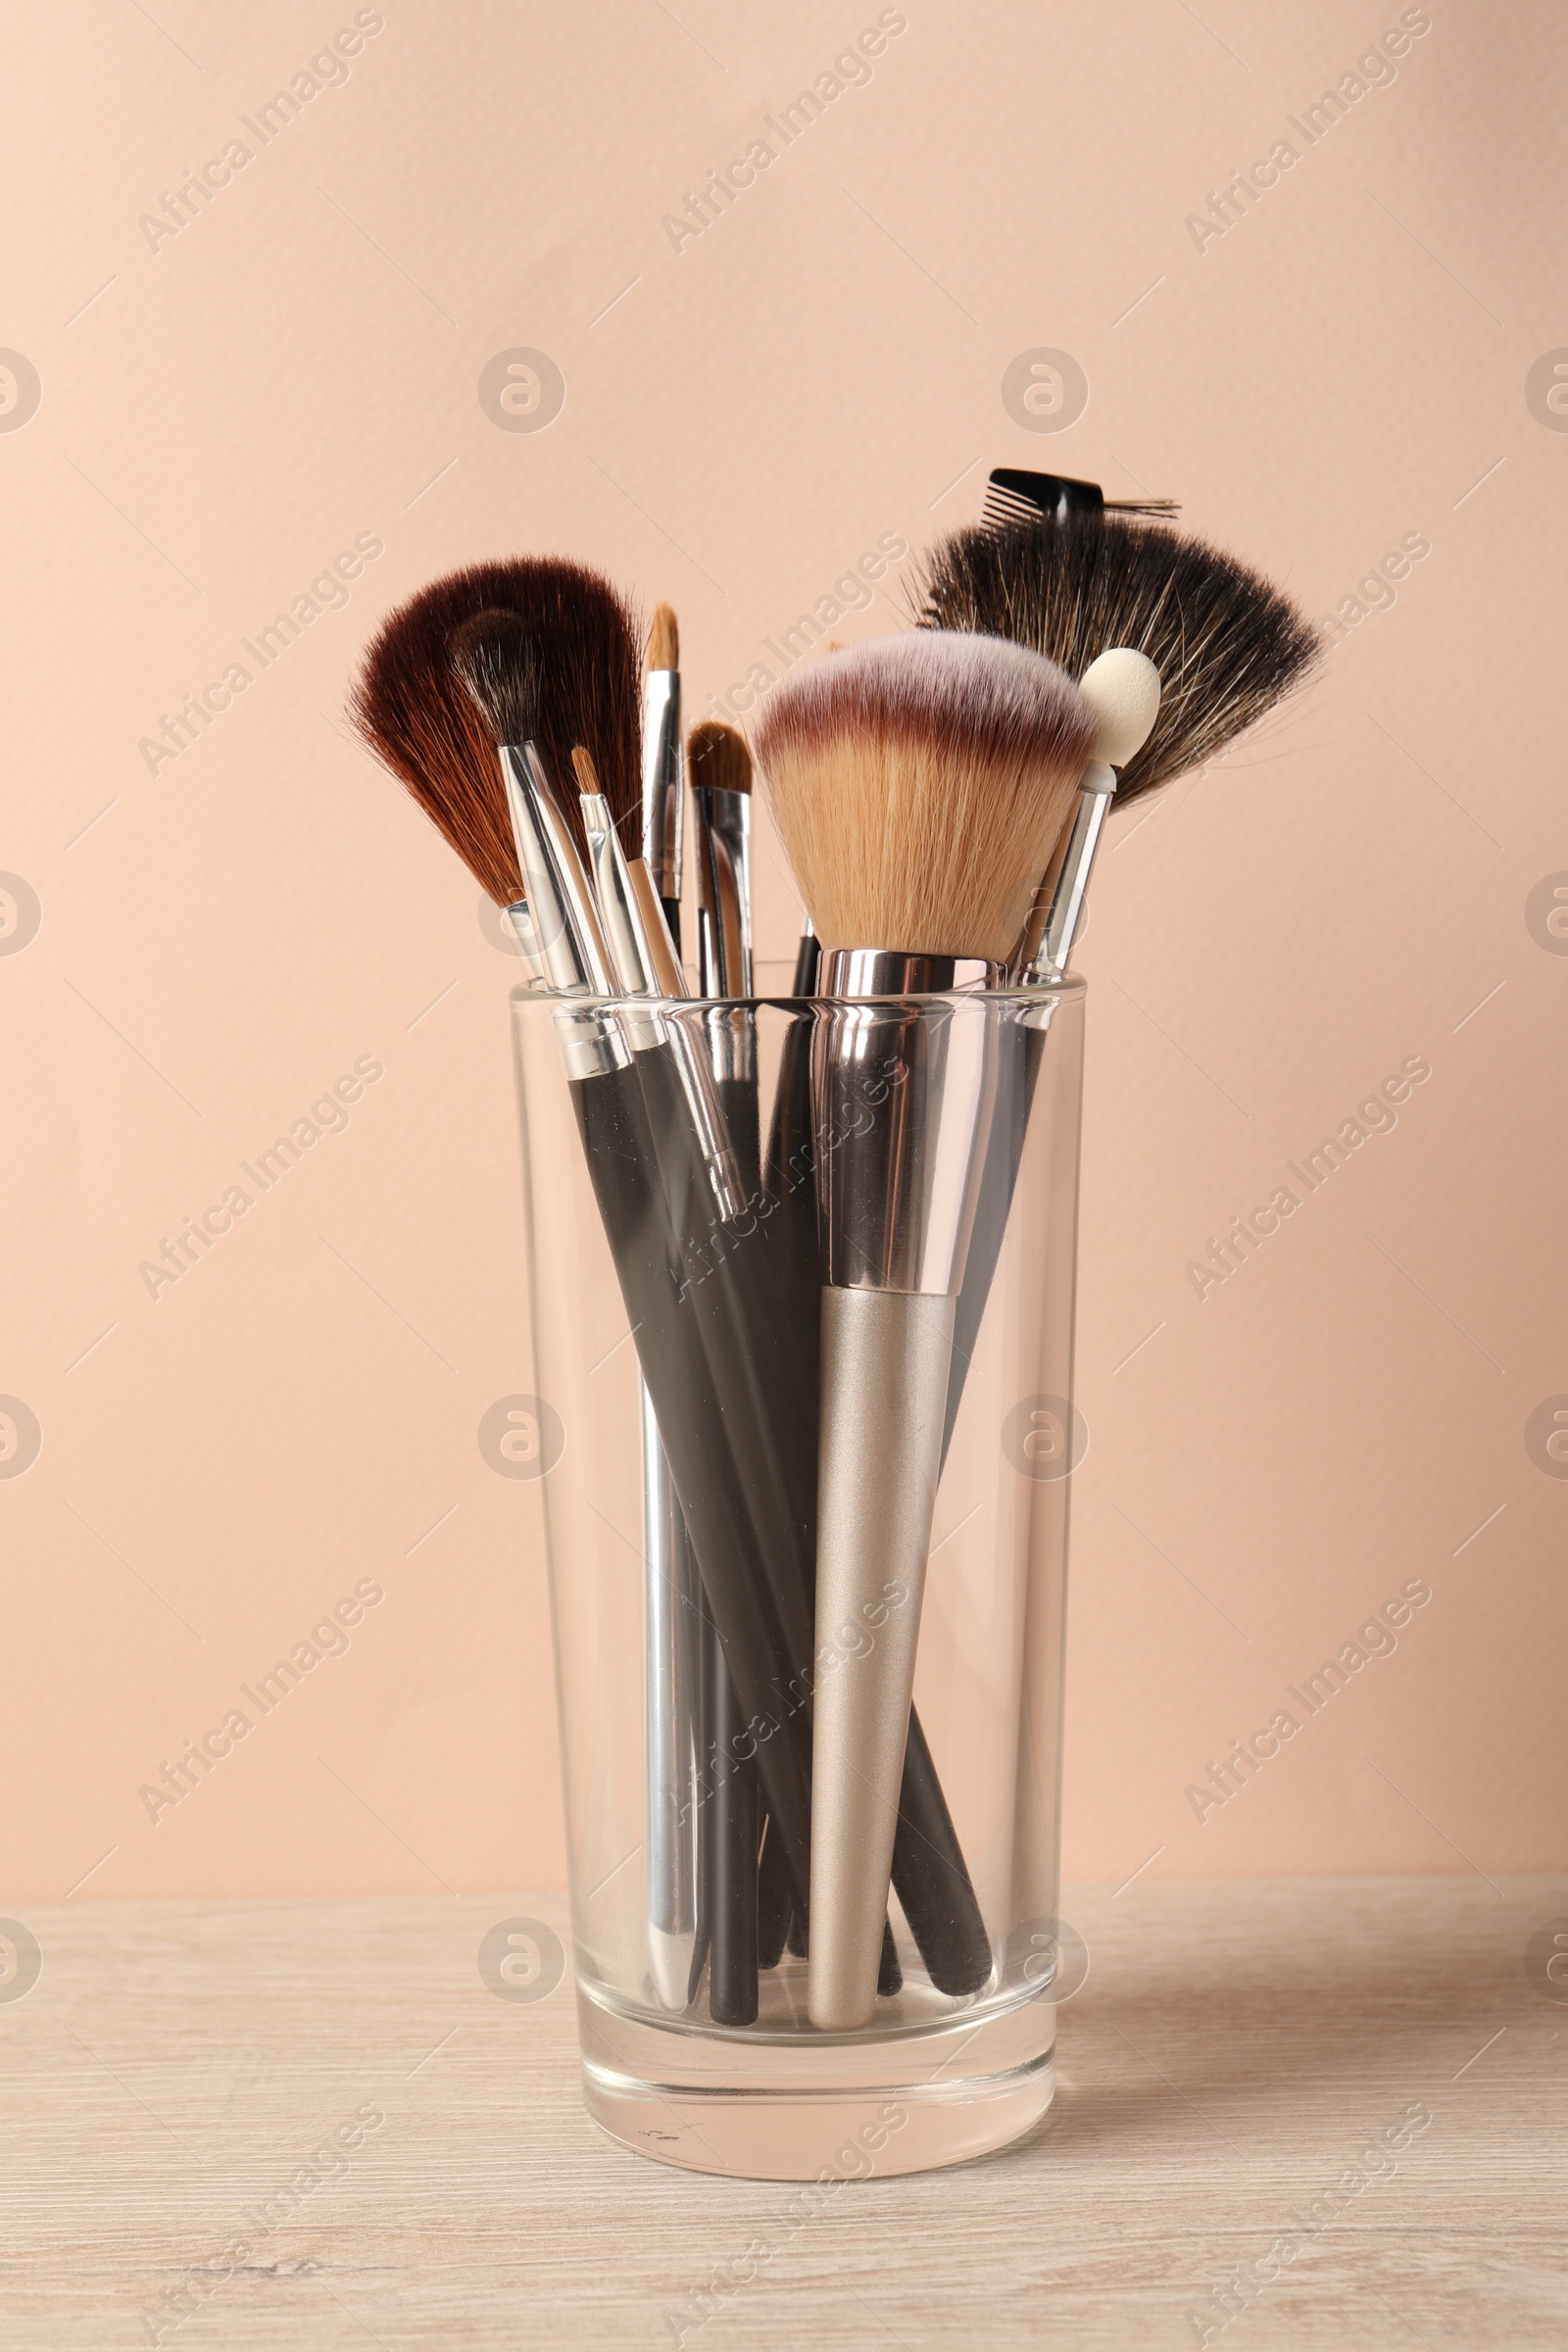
1122, 690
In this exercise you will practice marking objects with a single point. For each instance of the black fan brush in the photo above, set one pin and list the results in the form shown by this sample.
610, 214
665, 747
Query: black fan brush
1227, 645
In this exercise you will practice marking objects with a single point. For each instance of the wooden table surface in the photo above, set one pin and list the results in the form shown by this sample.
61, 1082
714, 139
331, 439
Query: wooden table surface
175, 2067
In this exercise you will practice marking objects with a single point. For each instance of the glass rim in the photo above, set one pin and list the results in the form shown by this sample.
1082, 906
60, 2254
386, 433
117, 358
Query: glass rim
1024, 994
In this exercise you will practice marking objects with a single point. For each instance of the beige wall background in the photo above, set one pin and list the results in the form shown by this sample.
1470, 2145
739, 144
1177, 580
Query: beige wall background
194, 949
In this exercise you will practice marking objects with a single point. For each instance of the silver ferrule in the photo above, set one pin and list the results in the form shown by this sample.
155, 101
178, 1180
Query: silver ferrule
590, 1040
567, 939
521, 921
627, 945
568, 944
903, 1095
630, 965
722, 848
1095, 796
643, 963
663, 761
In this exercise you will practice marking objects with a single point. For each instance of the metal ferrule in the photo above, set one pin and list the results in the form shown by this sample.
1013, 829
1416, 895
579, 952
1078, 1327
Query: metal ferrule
566, 940
627, 942
630, 964
642, 963
590, 1040
521, 921
566, 935
903, 1095
1095, 796
722, 848
723, 852
661, 780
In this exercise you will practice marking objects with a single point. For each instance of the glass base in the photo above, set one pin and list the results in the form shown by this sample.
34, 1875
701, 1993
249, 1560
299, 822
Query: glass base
758, 2106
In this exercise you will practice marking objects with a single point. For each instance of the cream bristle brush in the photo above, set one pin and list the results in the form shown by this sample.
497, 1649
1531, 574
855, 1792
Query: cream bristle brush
919, 783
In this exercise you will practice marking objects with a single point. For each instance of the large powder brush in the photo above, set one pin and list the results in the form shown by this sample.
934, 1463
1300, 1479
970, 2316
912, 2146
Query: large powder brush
1226, 644
921, 783
417, 715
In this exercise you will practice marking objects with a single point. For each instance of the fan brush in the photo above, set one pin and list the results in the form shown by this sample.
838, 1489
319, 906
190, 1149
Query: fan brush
411, 708
1226, 644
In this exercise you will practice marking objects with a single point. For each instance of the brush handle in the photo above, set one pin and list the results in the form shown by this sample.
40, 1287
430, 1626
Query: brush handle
1019, 1054
773, 1906
732, 1851
730, 1300
930, 1875
668, 1794
622, 1162
885, 1362
732, 1847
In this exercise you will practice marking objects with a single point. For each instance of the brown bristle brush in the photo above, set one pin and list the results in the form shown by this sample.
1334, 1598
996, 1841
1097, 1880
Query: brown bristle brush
415, 714
536, 700
919, 783
1226, 644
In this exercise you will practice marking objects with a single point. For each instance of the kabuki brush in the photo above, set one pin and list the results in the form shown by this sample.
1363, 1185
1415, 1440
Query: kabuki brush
720, 768
919, 784
929, 1874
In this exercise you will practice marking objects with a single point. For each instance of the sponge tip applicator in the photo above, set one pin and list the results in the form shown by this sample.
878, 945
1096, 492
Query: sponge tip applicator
1122, 689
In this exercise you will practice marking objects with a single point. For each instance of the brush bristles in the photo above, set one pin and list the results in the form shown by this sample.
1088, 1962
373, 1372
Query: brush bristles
495, 658
716, 757
1226, 644
583, 769
919, 783
664, 639
417, 717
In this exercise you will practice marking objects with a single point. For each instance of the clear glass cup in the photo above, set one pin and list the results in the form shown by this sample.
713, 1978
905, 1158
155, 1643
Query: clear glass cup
678, 1243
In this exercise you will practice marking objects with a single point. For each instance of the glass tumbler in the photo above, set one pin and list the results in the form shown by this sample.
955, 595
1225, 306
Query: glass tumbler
801, 1276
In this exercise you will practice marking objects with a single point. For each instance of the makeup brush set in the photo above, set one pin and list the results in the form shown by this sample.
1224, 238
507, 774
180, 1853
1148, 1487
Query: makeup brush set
806, 1255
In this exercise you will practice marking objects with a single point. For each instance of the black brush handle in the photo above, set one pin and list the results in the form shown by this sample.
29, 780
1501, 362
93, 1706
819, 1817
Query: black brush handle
622, 1164
699, 1645
732, 1894
732, 1848
930, 1875
1019, 1052
774, 1904
730, 1297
